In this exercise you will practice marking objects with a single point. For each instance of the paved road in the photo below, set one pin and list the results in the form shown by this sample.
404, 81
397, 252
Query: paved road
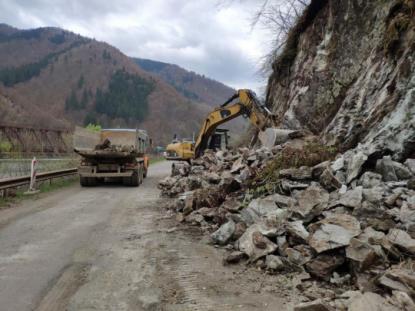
115, 248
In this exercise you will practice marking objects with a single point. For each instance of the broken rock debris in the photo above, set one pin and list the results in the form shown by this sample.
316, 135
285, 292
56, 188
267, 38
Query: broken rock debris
349, 222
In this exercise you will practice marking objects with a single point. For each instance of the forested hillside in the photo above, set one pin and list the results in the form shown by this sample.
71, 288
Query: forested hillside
193, 86
53, 78
197, 88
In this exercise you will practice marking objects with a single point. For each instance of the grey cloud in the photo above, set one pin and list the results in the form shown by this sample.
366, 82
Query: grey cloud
202, 36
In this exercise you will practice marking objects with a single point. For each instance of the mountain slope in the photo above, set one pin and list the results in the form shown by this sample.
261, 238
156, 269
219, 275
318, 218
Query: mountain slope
188, 83
53, 78
196, 88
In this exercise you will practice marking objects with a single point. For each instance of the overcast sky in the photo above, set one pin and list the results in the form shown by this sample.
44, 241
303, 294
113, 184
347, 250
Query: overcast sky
210, 37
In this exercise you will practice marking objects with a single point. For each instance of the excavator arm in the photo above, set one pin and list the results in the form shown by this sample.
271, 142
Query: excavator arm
245, 103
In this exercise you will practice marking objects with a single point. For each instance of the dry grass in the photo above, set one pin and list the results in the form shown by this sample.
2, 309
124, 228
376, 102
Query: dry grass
311, 154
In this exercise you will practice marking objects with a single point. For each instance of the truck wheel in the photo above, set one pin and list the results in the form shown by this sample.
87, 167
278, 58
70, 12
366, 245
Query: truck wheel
83, 181
87, 181
135, 179
126, 181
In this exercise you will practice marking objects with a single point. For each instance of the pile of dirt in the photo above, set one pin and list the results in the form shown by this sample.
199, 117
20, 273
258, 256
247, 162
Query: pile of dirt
345, 222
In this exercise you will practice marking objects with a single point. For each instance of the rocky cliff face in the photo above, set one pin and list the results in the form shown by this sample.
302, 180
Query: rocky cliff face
348, 74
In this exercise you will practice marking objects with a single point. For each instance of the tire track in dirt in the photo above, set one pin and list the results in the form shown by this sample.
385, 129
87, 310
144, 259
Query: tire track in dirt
65, 286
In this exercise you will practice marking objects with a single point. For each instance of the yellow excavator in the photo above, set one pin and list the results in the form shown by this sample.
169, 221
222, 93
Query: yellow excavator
244, 102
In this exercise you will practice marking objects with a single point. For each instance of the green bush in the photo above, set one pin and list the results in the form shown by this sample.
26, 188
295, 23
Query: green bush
93, 127
5, 146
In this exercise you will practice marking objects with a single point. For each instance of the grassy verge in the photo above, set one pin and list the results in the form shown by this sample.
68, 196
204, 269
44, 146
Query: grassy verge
45, 187
156, 159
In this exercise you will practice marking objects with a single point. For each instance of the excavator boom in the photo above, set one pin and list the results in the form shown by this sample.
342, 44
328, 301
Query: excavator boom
244, 103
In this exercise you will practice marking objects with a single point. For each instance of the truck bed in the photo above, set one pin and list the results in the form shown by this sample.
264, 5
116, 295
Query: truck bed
107, 154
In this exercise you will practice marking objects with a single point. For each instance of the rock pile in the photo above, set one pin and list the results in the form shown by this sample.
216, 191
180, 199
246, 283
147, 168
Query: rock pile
107, 146
349, 222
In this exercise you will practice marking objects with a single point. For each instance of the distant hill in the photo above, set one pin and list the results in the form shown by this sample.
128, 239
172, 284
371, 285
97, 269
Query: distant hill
193, 86
50, 78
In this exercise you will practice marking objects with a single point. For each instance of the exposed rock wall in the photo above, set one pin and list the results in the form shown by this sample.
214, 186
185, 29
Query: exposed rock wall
348, 74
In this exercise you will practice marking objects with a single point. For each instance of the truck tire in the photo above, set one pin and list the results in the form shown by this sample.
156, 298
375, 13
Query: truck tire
126, 181
87, 181
83, 181
135, 179
92, 181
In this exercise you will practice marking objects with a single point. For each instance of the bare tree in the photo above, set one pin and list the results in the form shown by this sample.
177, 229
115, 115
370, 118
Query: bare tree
278, 17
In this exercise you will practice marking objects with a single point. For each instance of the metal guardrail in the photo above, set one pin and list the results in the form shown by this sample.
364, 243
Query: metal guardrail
25, 180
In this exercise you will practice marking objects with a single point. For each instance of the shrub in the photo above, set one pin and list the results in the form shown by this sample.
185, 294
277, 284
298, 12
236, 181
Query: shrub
93, 127
5, 146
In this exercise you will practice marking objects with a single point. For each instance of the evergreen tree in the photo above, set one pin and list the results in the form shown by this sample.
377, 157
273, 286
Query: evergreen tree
71, 102
81, 82
126, 96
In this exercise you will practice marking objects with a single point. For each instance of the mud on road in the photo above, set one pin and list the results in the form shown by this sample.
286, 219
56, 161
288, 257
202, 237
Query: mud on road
116, 248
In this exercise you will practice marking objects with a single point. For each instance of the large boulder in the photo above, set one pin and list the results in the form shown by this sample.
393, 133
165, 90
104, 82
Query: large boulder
352, 198
249, 244
362, 253
329, 181
274, 263
323, 265
355, 166
311, 202
223, 235
370, 180
392, 170
402, 240
333, 232
266, 209
410, 164
297, 230
302, 173
274, 136
400, 279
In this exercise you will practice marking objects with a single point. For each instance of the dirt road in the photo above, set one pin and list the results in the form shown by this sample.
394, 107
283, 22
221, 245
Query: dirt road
115, 248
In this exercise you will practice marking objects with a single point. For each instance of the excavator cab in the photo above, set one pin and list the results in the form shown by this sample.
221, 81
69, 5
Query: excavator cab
219, 140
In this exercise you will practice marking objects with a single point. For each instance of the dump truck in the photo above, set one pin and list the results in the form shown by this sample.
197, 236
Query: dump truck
120, 156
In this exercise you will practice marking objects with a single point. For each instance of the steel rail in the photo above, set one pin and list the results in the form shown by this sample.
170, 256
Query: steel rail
25, 180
